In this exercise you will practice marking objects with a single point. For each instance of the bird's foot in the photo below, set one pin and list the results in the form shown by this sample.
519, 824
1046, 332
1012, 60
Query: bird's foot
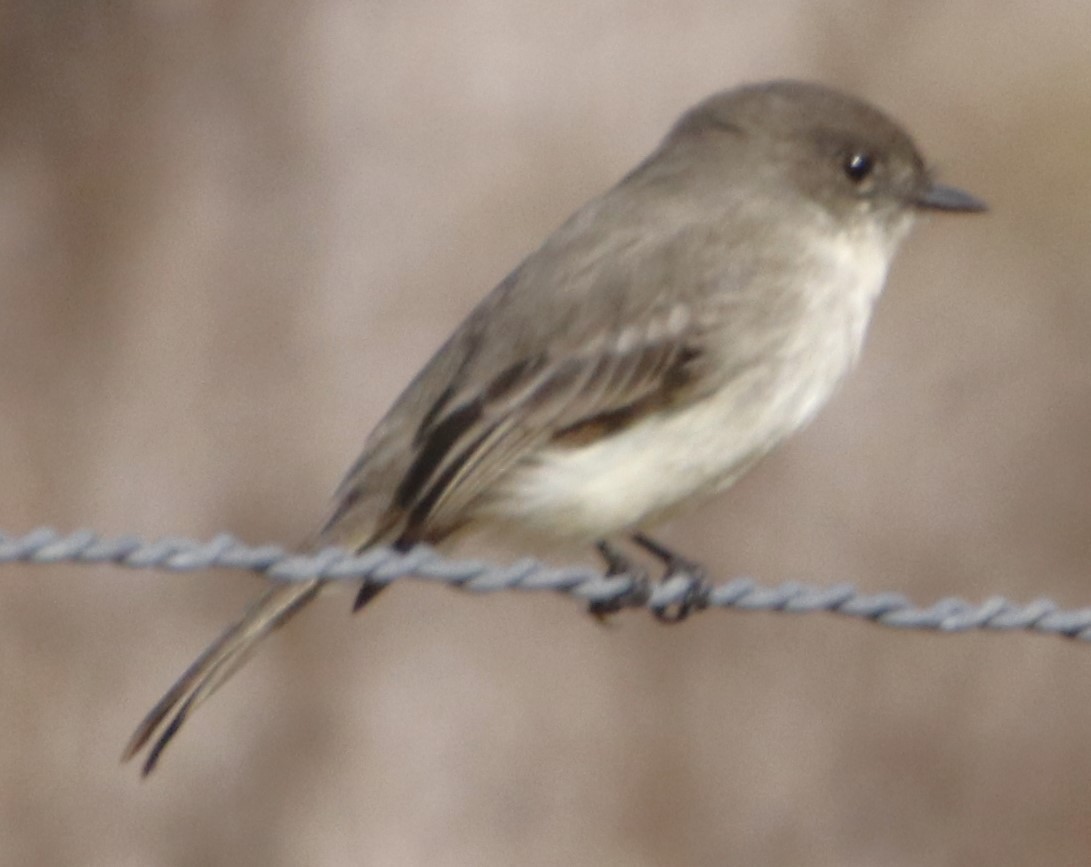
676, 567
618, 564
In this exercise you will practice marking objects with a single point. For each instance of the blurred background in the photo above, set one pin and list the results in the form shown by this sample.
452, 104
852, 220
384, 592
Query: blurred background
230, 233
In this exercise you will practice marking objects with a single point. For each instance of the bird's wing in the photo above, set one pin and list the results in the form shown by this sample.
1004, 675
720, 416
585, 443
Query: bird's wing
471, 437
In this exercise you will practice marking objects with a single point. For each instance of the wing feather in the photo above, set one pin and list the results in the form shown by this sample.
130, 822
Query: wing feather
477, 437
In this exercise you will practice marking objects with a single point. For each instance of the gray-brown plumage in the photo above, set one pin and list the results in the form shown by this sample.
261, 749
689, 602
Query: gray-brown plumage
660, 341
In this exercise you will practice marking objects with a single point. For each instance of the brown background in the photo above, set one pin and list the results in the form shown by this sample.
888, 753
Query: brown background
230, 232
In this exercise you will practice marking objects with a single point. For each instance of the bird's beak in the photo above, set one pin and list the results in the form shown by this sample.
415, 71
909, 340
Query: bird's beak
937, 197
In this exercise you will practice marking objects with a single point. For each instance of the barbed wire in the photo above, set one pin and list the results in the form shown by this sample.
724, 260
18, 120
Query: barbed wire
685, 593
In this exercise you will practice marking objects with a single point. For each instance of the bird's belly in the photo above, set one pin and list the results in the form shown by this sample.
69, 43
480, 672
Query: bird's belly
671, 458
649, 470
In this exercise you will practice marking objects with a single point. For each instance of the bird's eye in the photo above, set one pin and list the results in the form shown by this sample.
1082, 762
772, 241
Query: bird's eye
859, 166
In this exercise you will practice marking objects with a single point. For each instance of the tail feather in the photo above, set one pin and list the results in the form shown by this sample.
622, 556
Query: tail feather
212, 668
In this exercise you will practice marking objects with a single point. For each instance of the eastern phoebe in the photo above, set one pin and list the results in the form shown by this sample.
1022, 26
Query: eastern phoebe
664, 338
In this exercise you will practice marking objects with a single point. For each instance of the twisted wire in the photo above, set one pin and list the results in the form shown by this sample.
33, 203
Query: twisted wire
382, 566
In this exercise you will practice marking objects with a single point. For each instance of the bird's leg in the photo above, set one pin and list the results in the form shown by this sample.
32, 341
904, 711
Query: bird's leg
618, 564
675, 564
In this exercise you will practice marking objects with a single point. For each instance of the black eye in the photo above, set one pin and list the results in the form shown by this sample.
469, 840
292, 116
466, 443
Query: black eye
858, 166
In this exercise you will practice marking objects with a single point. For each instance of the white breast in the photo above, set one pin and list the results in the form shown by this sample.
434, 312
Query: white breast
643, 472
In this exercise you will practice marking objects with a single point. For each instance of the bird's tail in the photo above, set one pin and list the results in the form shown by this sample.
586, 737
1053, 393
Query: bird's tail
213, 667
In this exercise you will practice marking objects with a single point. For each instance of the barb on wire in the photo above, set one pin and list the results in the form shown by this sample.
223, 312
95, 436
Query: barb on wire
381, 566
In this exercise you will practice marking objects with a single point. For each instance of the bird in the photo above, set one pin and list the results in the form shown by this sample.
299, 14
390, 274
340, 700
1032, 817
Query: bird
664, 338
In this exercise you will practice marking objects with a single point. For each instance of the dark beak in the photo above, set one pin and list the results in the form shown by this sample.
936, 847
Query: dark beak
937, 197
